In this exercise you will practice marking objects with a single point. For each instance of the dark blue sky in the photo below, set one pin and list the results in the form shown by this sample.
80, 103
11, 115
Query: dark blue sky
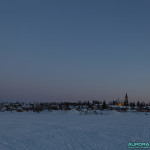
74, 50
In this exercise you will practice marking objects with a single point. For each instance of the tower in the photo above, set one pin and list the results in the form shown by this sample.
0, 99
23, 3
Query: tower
126, 99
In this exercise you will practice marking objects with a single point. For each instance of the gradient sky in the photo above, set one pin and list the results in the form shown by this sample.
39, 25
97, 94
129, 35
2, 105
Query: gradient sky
55, 50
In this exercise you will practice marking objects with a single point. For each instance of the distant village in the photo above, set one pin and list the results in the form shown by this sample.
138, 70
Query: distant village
84, 107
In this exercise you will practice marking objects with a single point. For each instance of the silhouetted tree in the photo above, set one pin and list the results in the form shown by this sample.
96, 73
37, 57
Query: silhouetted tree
138, 104
113, 102
104, 105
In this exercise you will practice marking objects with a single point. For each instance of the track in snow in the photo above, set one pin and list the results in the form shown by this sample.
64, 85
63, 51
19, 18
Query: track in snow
71, 131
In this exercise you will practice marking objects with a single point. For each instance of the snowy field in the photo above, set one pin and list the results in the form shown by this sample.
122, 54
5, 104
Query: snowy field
71, 131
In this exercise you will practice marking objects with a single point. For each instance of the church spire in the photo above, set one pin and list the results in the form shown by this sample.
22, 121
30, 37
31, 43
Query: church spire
126, 100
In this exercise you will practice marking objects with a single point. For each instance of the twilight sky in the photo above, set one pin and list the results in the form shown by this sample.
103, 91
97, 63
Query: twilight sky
55, 50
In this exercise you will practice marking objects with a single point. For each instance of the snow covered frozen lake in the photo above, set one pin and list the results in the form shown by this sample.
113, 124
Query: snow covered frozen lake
69, 130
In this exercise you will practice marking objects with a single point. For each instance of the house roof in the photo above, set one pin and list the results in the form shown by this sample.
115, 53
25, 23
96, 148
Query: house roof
119, 101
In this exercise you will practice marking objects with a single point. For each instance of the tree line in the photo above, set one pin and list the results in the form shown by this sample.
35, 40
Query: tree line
79, 106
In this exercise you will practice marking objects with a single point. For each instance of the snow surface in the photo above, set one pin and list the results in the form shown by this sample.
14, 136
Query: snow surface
70, 130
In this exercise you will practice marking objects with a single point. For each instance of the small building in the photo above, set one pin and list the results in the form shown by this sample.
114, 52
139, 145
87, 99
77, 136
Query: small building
122, 102
119, 102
